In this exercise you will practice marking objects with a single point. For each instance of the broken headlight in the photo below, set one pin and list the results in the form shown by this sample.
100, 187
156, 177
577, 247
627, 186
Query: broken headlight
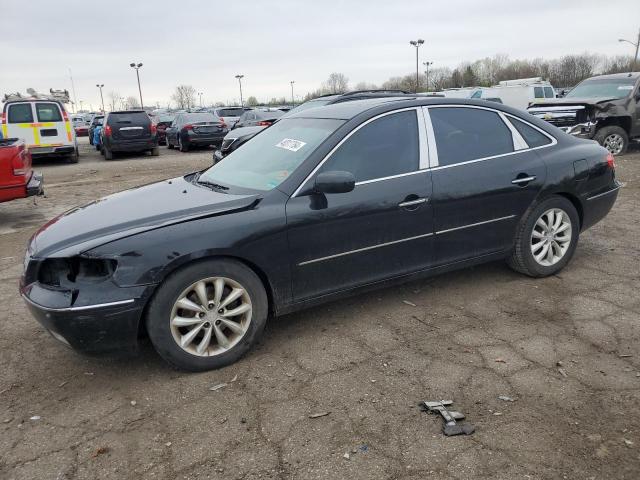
65, 272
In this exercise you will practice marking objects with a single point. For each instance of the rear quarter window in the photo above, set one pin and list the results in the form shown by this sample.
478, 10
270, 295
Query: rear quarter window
20, 113
533, 137
48, 112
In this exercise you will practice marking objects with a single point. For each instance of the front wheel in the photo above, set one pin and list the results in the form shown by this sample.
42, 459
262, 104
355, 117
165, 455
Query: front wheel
182, 146
546, 238
207, 315
613, 138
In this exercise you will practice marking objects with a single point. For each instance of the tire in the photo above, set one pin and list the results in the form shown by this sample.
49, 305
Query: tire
169, 144
98, 148
108, 154
182, 146
155, 152
73, 158
522, 258
613, 138
165, 335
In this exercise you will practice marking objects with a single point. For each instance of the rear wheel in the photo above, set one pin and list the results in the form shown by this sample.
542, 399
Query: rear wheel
613, 138
207, 315
108, 154
73, 158
546, 238
155, 151
169, 144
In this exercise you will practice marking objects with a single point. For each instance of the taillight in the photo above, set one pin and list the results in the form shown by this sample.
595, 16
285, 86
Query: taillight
188, 126
611, 162
18, 161
264, 123
223, 124
3, 118
107, 131
154, 129
64, 115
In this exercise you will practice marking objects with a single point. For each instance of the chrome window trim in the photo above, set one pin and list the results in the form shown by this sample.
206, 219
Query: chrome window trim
553, 142
440, 232
608, 192
333, 150
518, 142
381, 179
431, 139
77, 309
364, 249
423, 161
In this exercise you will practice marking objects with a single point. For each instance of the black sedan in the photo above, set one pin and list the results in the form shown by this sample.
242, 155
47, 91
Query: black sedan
195, 129
258, 118
325, 203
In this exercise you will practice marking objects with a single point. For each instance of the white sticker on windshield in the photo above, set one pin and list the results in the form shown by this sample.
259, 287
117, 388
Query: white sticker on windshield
290, 144
625, 87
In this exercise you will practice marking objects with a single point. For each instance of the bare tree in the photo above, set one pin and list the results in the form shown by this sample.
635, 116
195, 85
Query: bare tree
251, 101
336, 83
132, 102
366, 86
184, 96
114, 98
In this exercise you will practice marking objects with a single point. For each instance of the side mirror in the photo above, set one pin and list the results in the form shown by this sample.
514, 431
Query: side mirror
334, 182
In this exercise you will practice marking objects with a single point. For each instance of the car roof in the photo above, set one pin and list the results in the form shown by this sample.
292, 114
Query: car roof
634, 75
349, 110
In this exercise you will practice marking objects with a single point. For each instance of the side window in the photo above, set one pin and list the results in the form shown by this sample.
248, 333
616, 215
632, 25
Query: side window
538, 92
549, 93
533, 137
385, 147
477, 94
464, 134
48, 112
20, 113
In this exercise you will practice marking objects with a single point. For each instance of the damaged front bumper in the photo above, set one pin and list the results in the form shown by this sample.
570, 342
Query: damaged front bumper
581, 130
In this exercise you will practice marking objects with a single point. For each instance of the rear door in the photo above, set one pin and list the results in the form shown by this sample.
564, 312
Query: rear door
51, 128
19, 122
485, 179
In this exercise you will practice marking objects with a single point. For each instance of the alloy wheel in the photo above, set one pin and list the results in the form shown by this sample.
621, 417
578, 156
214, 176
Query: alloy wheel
614, 143
211, 316
551, 237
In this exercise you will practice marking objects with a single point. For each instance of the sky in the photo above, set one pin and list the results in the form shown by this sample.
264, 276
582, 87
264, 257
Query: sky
205, 44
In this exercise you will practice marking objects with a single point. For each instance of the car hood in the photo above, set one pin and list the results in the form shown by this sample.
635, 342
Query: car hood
560, 102
130, 212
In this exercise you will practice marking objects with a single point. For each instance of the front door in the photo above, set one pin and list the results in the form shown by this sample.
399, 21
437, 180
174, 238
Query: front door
383, 228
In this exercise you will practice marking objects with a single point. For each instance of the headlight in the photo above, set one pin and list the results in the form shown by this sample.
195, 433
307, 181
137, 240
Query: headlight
61, 272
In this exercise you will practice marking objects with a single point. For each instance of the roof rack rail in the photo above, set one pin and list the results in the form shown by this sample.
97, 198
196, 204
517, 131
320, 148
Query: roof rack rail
61, 96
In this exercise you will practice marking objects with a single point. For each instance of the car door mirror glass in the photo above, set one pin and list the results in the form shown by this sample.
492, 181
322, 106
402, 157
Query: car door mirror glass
334, 182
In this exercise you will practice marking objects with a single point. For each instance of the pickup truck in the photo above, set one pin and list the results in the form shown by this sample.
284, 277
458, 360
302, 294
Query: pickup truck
17, 179
605, 108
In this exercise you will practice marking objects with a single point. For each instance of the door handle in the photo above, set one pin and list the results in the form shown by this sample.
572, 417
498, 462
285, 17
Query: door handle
523, 180
412, 203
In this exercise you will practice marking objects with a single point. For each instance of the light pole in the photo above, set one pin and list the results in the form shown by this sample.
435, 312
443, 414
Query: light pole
80, 106
101, 97
635, 44
426, 64
293, 101
417, 43
137, 68
200, 95
240, 77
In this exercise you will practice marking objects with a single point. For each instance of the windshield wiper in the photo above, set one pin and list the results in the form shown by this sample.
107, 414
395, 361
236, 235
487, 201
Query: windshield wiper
214, 186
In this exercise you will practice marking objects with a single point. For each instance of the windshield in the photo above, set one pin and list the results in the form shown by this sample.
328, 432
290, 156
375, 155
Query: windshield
230, 112
606, 87
200, 117
268, 159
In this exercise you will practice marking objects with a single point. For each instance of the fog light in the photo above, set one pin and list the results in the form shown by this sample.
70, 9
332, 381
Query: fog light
59, 337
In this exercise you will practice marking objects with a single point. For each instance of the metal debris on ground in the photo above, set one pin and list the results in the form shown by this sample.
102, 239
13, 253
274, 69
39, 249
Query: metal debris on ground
35, 417
218, 387
451, 426
411, 304
318, 415
506, 399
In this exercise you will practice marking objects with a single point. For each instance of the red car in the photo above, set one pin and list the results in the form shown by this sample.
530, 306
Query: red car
17, 179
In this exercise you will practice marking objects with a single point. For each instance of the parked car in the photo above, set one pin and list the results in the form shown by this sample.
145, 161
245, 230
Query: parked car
259, 118
80, 125
164, 121
605, 108
325, 203
230, 115
233, 139
17, 179
128, 131
95, 121
44, 126
195, 129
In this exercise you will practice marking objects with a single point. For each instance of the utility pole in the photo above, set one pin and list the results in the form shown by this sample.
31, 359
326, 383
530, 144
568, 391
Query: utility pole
426, 64
293, 101
73, 88
417, 44
101, 97
200, 95
137, 67
636, 44
240, 77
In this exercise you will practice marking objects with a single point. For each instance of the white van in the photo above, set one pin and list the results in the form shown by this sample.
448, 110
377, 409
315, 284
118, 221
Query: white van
44, 126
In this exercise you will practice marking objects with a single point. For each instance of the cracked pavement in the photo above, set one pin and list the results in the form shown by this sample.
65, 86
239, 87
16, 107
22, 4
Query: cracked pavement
565, 348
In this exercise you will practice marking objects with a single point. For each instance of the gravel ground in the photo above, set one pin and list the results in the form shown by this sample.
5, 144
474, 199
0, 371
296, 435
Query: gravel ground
564, 348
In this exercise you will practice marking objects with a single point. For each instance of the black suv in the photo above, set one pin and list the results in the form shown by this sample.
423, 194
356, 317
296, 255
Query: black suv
128, 131
605, 108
